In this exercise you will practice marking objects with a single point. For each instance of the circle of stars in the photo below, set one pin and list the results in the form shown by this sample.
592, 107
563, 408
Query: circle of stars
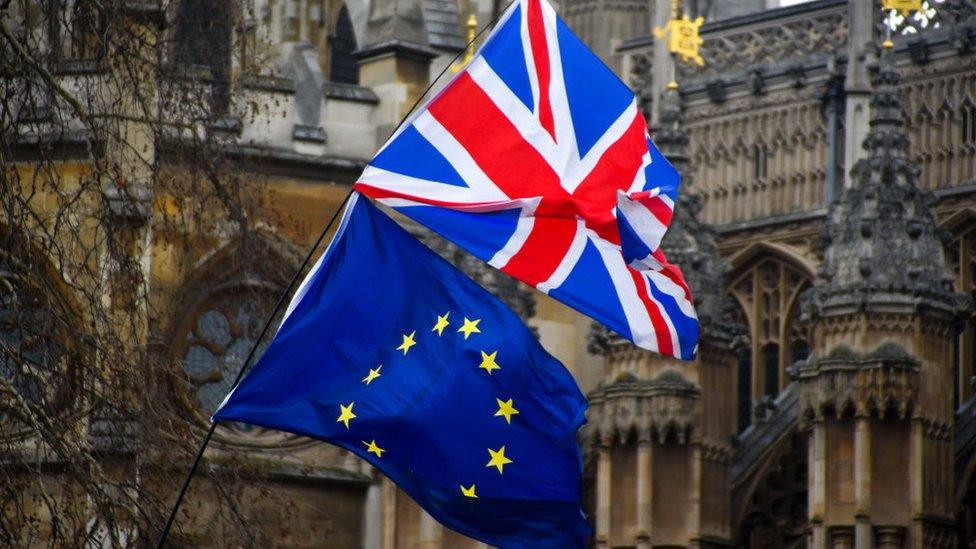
489, 363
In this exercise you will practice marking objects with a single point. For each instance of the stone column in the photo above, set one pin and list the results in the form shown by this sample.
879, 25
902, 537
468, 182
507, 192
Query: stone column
645, 489
817, 478
603, 483
857, 111
389, 514
916, 468
841, 537
694, 488
431, 532
862, 481
662, 64
373, 516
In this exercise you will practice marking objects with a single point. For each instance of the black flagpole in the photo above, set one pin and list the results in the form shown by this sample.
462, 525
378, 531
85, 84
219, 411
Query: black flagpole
284, 295
244, 366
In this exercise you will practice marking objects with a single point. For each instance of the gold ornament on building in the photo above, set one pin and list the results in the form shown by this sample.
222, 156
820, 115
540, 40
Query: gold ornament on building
472, 25
683, 37
902, 6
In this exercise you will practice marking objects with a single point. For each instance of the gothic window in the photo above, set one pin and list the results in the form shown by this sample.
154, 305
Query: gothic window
760, 161
87, 31
216, 337
775, 514
32, 350
343, 68
770, 354
293, 21
969, 124
961, 257
203, 39
768, 291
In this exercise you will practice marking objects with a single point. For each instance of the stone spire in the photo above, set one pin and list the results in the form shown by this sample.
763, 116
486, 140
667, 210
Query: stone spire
881, 244
689, 243
395, 24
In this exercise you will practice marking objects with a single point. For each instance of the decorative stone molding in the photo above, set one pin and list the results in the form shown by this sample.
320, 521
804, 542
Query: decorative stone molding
661, 408
747, 45
873, 383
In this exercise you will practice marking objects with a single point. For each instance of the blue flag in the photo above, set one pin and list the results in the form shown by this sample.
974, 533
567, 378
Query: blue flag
390, 352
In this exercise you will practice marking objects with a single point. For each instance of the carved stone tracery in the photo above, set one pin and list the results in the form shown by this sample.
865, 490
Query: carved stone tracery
742, 48
661, 408
886, 379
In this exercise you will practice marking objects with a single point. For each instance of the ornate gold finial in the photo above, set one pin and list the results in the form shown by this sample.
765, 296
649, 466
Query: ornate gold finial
469, 54
902, 6
887, 44
672, 85
683, 35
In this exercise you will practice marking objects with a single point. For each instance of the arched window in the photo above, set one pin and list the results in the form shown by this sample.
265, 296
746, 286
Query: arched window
343, 68
227, 302
744, 389
768, 289
88, 31
961, 258
770, 355
33, 337
219, 331
203, 39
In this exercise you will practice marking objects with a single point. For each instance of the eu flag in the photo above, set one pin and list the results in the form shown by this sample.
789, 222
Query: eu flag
390, 352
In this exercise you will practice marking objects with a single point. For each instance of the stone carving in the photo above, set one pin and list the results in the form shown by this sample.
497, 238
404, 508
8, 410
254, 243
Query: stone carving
744, 48
881, 240
886, 379
940, 105
723, 153
660, 408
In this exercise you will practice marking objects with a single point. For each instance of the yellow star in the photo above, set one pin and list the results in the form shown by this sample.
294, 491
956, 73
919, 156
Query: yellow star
498, 459
470, 327
346, 414
372, 448
488, 362
469, 492
441, 324
506, 409
407, 342
373, 374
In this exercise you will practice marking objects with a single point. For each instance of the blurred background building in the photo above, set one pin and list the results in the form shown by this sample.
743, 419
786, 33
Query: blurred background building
832, 404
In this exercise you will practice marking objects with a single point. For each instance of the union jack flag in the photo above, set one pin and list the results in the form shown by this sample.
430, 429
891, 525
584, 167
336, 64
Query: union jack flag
536, 159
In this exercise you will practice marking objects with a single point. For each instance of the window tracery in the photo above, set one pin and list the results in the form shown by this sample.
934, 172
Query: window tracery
752, 166
33, 350
768, 294
218, 334
961, 257
776, 515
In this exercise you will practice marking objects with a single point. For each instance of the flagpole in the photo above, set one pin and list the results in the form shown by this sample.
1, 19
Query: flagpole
282, 298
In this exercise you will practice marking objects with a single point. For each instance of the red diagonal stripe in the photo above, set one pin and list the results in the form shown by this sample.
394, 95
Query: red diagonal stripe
543, 250
596, 195
540, 55
664, 344
494, 142
672, 272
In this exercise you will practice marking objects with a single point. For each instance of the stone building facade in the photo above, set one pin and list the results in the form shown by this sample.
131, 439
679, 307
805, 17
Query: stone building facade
827, 227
